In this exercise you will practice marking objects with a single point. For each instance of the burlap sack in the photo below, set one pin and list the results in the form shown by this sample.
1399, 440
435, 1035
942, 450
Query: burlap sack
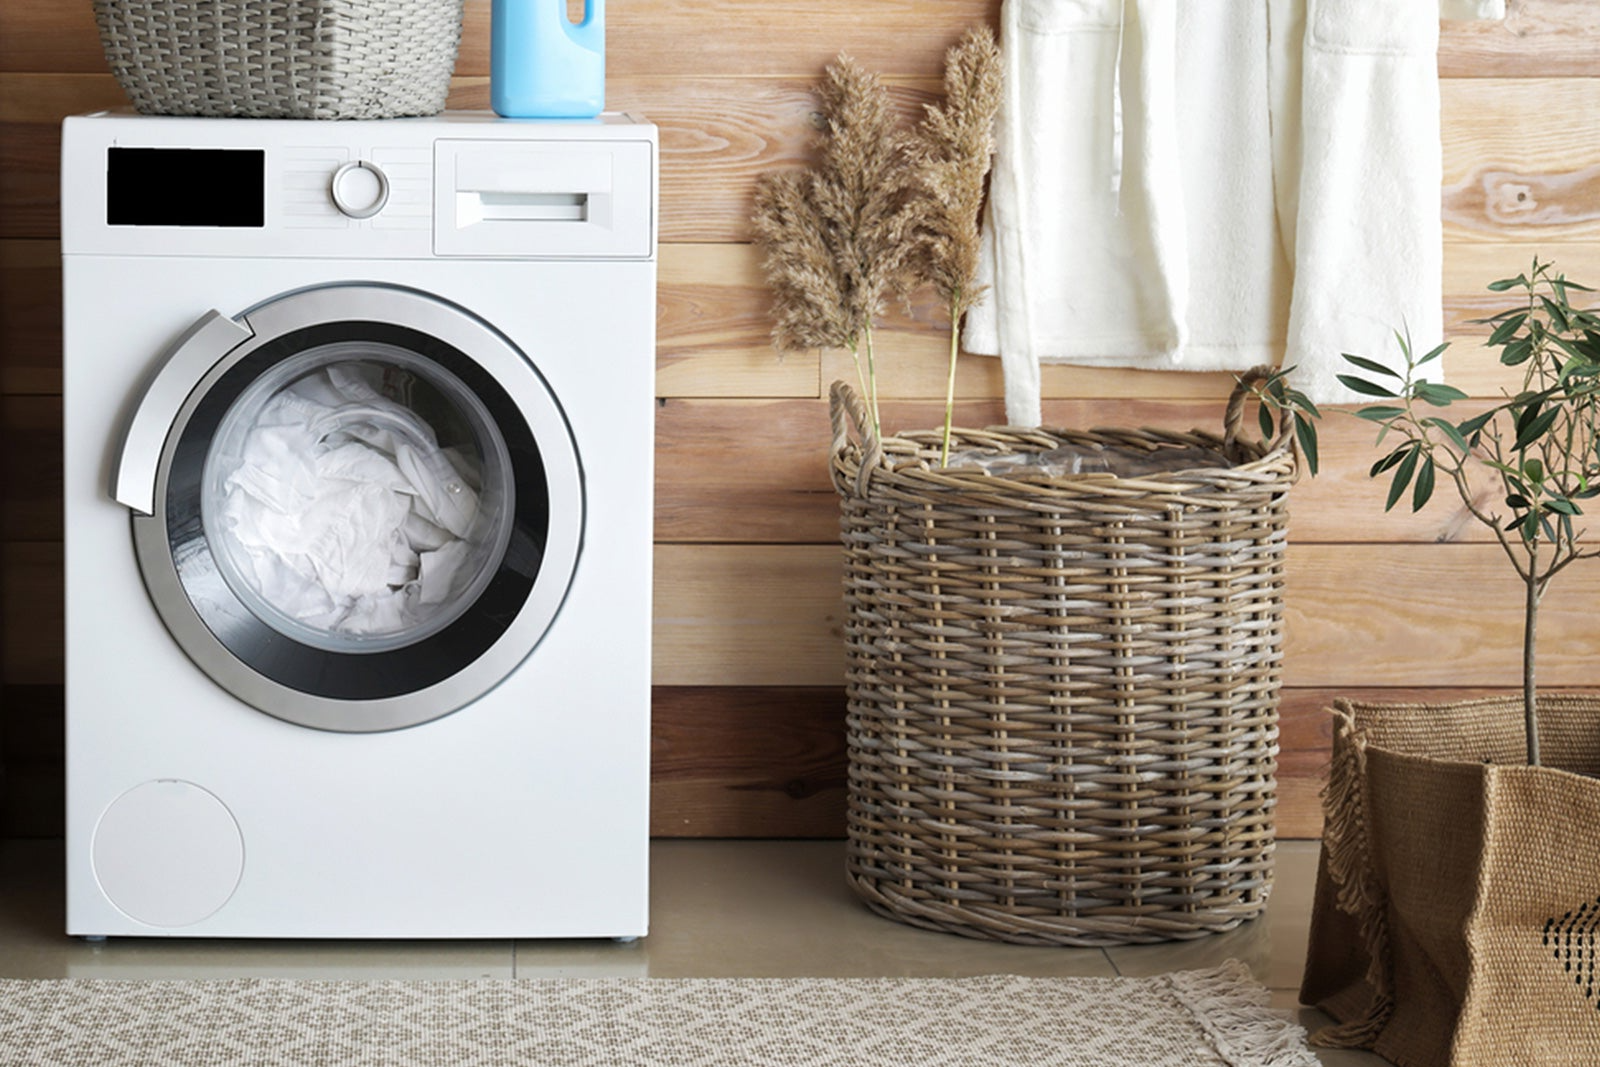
1457, 912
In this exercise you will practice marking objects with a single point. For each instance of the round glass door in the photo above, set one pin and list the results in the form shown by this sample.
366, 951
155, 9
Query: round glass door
358, 497
363, 522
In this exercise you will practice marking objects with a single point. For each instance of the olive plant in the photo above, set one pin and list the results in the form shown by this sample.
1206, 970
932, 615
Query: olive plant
1537, 449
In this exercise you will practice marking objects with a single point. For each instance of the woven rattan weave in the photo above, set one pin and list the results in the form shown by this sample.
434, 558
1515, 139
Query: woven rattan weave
307, 59
1063, 691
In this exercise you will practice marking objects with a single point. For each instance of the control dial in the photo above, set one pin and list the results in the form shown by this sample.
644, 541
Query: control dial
359, 189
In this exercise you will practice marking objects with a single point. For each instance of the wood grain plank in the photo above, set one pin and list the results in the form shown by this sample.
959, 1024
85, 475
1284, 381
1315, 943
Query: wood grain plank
1522, 159
757, 471
735, 37
727, 761
32, 613
1383, 614
1539, 38
717, 135
1386, 614
712, 322
712, 328
30, 316
770, 615
913, 346
32, 761
30, 204
44, 35
30, 468
762, 615
743, 762
1429, 615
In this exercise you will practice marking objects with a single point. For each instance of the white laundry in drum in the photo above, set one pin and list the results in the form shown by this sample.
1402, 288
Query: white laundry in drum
344, 513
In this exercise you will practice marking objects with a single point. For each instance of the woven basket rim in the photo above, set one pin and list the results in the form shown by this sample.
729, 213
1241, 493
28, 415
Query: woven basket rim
912, 458
913, 451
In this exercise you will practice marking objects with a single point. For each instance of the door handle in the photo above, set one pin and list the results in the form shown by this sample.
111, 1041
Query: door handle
133, 479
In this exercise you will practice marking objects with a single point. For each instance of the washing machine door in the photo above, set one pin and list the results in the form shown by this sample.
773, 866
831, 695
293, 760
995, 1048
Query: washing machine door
355, 507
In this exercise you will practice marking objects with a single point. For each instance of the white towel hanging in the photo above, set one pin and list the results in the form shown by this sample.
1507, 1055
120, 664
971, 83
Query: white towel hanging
1273, 158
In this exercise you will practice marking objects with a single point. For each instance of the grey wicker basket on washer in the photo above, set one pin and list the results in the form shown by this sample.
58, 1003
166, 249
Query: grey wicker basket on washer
302, 59
1062, 724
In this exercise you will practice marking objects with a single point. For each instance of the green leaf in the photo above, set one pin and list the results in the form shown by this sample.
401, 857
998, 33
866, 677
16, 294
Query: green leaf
1563, 506
1517, 352
1402, 476
1568, 347
1306, 434
1508, 329
1424, 487
1507, 283
1372, 365
1379, 413
1516, 502
1531, 402
1582, 367
1450, 432
1264, 420
1440, 396
1474, 424
1536, 429
1533, 470
1435, 354
1361, 385
1388, 461
1530, 526
1301, 402
1558, 314
1405, 344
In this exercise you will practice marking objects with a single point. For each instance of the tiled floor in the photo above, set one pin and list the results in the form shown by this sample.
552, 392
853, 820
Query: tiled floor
718, 908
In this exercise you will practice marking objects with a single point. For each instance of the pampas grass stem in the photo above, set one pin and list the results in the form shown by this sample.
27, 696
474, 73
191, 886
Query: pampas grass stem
950, 381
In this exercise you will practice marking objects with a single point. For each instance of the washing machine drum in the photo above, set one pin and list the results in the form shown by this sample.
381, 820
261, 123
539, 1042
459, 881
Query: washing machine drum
357, 508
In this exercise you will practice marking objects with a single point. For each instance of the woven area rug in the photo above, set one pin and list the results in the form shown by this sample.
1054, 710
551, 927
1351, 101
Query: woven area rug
1214, 1018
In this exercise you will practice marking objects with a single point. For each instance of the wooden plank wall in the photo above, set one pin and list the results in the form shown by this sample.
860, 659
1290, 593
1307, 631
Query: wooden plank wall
748, 706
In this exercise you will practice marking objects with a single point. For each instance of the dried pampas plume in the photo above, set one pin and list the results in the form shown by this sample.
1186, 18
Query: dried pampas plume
808, 297
954, 145
881, 211
837, 236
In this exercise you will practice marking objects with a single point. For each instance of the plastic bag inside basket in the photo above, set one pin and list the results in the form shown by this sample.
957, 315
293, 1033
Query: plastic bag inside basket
1090, 459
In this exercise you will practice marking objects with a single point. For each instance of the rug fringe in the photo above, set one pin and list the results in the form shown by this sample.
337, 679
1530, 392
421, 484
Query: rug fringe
1231, 1006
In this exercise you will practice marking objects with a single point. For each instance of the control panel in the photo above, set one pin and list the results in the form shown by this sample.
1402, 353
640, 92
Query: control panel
462, 185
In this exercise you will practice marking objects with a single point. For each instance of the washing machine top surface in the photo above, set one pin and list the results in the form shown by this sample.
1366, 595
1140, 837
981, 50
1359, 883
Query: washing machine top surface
456, 185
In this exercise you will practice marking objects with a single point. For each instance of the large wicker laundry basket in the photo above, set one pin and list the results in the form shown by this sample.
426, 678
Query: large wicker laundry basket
1063, 690
306, 59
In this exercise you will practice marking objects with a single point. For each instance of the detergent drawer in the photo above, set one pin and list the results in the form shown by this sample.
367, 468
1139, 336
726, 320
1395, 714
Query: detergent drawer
589, 199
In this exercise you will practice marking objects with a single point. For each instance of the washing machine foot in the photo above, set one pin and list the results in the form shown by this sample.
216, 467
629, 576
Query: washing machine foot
626, 940
95, 939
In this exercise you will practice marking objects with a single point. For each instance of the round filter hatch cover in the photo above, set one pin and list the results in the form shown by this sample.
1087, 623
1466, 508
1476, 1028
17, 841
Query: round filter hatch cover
168, 853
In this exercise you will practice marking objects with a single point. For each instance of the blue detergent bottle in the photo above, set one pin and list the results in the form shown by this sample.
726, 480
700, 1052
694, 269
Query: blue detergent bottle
544, 65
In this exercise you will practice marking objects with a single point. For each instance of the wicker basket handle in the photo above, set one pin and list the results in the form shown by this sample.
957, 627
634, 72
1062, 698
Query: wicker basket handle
847, 410
1233, 418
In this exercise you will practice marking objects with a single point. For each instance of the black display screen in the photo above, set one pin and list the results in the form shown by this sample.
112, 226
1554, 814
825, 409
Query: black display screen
186, 186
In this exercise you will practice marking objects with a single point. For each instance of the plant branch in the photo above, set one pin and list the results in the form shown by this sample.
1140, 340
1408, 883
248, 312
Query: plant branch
1538, 448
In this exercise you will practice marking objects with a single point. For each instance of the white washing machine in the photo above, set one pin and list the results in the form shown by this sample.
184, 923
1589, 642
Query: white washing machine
358, 475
